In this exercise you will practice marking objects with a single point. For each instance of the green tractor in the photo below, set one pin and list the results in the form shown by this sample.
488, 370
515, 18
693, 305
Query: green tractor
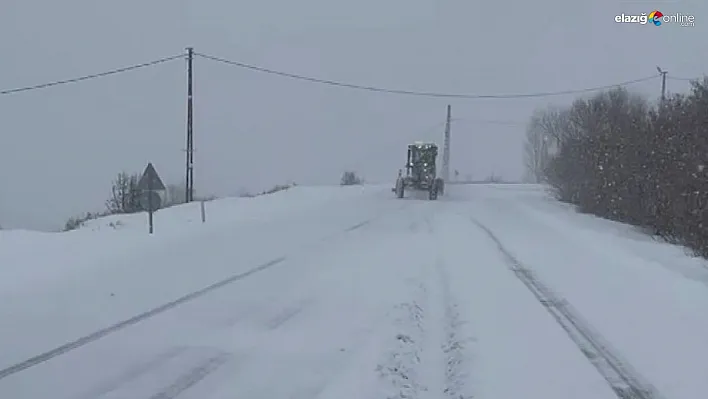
421, 173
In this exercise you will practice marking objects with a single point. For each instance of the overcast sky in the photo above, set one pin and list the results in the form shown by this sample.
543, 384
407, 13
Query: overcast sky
62, 146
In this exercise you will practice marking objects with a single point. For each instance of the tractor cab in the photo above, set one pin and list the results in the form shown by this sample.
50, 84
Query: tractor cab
421, 160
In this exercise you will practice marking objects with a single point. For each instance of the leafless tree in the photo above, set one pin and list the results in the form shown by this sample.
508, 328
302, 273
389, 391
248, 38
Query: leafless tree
621, 158
350, 178
125, 195
543, 134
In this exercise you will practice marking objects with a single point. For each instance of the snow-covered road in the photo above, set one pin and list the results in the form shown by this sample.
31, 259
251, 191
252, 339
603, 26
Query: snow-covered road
491, 292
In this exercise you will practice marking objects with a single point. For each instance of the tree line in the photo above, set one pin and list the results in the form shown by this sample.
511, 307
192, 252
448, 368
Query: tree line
618, 156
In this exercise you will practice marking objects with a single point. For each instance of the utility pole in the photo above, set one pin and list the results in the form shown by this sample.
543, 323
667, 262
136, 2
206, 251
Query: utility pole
189, 180
446, 147
663, 84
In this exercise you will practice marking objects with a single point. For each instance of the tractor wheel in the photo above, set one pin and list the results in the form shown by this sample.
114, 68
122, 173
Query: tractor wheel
400, 188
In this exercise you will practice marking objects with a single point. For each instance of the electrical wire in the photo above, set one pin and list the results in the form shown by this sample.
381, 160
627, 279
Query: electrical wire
93, 76
681, 79
487, 122
420, 93
339, 83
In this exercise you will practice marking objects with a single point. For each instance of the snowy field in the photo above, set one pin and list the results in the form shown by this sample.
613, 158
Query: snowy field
494, 291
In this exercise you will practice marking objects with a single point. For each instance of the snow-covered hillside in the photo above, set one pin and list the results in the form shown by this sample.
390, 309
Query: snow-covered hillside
494, 291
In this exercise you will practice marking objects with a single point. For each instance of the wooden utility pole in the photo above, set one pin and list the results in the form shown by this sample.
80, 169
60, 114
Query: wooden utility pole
446, 147
663, 84
189, 180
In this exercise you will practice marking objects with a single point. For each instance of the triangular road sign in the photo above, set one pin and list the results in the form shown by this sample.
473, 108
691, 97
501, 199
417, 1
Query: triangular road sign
150, 180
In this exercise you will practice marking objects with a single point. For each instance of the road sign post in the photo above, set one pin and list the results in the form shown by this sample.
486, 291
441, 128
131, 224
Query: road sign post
150, 205
150, 183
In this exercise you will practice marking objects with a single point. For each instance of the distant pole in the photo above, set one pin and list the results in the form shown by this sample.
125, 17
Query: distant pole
446, 148
189, 180
663, 84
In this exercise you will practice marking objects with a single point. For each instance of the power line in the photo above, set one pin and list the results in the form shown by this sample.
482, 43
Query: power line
93, 76
339, 83
681, 79
488, 122
419, 93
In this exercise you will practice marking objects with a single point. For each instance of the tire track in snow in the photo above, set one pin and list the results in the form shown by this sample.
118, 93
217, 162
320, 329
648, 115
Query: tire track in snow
95, 336
453, 343
132, 373
139, 380
426, 359
272, 320
619, 374
401, 365
192, 377
31, 362
287, 313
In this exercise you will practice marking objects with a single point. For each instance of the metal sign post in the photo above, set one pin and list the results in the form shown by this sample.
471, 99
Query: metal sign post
150, 205
150, 183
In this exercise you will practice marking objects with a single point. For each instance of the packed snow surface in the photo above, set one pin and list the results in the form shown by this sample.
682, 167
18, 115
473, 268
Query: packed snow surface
491, 292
